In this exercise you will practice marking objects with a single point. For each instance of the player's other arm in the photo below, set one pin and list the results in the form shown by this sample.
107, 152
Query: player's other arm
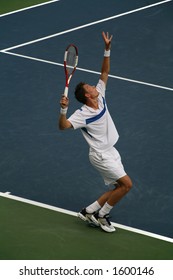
63, 123
106, 60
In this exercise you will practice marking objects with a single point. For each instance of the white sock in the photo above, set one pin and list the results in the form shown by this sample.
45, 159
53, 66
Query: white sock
105, 210
93, 207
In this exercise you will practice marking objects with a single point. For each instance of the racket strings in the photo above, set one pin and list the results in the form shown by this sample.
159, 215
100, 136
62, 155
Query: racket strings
71, 59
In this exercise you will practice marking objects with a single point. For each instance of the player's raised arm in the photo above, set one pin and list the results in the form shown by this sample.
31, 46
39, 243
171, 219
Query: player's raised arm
106, 60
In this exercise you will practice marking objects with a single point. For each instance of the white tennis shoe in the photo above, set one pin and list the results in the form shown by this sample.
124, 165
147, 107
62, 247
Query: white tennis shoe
104, 222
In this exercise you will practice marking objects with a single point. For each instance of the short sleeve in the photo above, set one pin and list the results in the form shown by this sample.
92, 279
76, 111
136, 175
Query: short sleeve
77, 119
101, 87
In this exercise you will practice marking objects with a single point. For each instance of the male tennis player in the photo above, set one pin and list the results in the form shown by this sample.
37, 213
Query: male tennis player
99, 131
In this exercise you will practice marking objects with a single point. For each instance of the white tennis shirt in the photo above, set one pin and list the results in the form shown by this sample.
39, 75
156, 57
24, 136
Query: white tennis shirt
96, 126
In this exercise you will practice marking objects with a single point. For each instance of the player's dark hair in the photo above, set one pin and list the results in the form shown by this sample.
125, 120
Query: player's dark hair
80, 93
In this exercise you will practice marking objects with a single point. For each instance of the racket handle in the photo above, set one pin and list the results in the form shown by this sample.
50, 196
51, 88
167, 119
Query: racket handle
66, 91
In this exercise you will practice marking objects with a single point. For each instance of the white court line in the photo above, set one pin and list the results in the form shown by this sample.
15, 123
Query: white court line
91, 71
72, 213
27, 8
85, 25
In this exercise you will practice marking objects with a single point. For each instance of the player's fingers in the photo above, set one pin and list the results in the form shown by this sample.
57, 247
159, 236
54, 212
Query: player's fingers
64, 96
111, 38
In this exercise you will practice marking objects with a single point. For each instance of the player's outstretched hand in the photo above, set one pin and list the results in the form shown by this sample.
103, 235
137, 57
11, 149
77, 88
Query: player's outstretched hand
107, 39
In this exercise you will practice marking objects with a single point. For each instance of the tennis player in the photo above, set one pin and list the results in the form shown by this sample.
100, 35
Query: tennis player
99, 131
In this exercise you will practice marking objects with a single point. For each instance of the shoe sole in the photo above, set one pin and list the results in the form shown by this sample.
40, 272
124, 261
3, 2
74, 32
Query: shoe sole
107, 229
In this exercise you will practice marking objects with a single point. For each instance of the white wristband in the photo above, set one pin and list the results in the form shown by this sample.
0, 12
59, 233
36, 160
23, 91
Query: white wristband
107, 53
63, 111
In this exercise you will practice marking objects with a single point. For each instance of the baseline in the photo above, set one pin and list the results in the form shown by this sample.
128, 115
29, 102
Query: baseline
72, 213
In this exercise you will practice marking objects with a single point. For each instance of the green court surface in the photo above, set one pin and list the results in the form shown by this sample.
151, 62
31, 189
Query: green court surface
35, 233
11, 5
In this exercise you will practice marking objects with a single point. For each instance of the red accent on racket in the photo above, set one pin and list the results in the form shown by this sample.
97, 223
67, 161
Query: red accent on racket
70, 63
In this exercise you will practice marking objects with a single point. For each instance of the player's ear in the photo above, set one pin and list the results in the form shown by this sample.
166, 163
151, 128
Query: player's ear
87, 95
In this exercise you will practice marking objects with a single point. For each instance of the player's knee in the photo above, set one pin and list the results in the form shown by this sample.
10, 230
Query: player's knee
126, 184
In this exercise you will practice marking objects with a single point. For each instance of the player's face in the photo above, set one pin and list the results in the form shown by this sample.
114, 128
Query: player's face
91, 90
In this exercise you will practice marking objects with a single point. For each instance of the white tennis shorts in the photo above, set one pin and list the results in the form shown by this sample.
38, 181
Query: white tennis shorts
108, 164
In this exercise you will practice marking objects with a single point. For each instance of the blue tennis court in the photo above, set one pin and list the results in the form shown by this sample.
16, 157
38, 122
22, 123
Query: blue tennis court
39, 162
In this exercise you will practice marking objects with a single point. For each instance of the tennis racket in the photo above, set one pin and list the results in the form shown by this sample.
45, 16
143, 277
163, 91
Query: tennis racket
70, 63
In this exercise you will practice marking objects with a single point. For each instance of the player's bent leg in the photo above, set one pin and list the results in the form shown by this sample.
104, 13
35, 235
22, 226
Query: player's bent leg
125, 182
104, 197
124, 186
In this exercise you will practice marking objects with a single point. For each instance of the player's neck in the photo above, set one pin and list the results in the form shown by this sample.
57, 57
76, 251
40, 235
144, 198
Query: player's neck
93, 103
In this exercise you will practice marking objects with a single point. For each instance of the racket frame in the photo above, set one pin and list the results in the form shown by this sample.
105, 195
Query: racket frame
68, 77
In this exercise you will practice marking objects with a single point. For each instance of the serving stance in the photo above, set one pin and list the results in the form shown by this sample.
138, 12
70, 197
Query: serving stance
99, 131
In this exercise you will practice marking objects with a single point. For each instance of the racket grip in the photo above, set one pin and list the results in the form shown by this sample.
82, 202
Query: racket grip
66, 91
